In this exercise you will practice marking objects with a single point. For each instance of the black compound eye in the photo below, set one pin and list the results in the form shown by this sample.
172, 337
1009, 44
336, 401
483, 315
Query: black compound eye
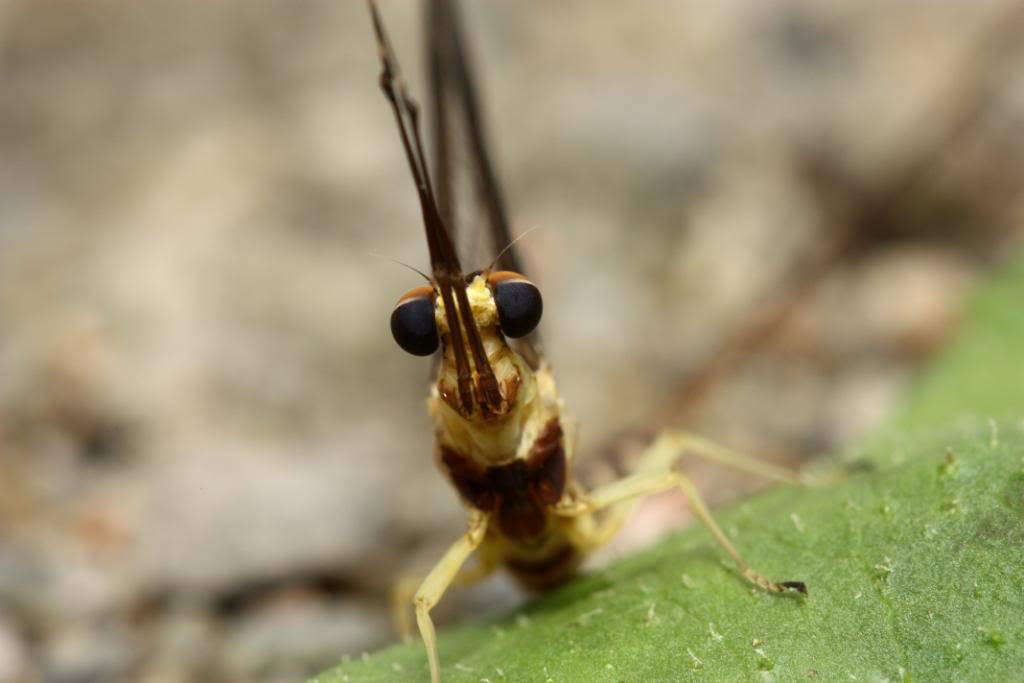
412, 322
519, 303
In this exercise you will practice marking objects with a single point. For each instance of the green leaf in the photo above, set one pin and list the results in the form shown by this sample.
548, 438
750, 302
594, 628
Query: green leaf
915, 571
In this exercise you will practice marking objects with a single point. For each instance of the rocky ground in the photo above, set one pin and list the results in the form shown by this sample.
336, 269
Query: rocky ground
756, 220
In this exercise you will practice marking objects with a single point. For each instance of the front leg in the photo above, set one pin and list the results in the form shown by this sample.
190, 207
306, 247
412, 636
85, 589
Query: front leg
403, 591
438, 580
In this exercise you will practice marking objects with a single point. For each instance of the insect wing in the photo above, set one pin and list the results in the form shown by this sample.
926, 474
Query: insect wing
462, 162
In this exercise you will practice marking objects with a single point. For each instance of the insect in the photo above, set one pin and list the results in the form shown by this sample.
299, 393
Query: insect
502, 438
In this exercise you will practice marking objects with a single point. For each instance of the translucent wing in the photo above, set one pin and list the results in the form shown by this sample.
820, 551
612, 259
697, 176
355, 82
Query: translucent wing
459, 143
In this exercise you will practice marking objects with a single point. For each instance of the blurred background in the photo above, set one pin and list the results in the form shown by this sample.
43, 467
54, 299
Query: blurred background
756, 220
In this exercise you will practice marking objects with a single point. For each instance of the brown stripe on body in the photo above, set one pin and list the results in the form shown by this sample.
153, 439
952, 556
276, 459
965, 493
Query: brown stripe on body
519, 492
545, 572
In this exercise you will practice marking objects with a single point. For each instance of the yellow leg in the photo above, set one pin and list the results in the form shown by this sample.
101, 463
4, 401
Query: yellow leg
588, 534
709, 450
656, 475
438, 580
405, 588
672, 444
401, 597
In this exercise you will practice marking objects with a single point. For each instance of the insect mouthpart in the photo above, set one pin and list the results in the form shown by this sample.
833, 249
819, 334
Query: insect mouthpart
471, 327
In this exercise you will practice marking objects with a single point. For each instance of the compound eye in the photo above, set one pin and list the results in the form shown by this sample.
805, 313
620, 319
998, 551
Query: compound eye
519, 303
412, 322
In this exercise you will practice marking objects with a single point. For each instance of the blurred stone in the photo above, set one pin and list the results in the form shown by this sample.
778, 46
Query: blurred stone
76, 653
216, 518
13, 652
296, 636
184, 646
908, 301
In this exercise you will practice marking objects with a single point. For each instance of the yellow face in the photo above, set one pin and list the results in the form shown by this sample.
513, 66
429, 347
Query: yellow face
490, 434
506, 363
480, 376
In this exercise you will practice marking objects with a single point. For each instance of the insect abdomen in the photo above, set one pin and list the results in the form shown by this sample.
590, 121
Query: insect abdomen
548, 569
518, 493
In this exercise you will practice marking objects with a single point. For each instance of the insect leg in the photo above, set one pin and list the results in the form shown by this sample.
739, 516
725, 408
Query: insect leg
438, 580
405, 588
402, 592
587, 533
707, 449
656, 475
